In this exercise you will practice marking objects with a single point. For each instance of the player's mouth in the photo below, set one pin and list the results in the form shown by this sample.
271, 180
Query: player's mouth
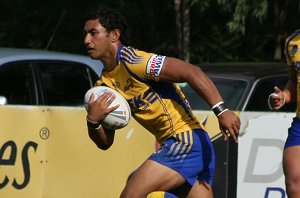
89, 50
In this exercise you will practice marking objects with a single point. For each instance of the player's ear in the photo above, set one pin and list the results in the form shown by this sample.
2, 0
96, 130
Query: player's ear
115, 35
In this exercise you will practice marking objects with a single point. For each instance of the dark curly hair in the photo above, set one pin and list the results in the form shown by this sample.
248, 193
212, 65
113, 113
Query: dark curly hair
110, 19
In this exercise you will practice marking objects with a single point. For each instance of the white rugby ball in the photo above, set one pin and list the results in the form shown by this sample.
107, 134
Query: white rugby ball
117, 119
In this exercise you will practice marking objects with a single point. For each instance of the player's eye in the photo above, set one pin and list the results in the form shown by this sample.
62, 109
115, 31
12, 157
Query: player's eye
94, 33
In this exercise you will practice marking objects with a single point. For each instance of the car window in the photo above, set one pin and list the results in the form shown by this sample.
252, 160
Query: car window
65, 83
17, 83
45, 82
230, 89
263, 88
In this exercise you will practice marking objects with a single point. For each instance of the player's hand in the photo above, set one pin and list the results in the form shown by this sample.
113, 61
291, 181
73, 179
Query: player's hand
276, 100
99, 108
229, 124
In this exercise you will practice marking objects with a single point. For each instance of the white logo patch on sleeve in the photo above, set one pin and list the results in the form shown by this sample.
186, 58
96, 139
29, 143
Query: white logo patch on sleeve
154, 65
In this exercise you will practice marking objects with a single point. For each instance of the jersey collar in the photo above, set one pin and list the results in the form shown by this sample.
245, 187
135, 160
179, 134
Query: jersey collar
119, 53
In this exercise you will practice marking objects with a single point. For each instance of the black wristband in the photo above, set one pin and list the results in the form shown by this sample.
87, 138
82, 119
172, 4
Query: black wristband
219, 108
93, 125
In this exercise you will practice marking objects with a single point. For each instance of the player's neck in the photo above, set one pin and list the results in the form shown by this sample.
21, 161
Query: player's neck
111, 60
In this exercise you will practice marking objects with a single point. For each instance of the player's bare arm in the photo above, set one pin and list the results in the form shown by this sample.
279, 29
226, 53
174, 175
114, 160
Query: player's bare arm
175, 70
98, 110
280, 97
103, 138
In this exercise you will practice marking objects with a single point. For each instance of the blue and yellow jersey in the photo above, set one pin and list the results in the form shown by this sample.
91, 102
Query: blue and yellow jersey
160, 107
292, 53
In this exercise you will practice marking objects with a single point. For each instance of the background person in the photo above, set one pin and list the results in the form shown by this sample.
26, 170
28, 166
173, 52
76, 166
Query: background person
186, 161
291, 154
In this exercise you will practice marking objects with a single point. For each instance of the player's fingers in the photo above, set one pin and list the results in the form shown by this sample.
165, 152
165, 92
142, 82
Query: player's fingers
275, 96
225, 133
109, 98
232, 133
234, 129
114, 107
92, 98
239, 124
236, 125
106, 98
277, 89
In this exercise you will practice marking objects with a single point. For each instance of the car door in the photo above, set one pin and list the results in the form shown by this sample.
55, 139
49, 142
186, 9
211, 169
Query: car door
45, 82
263, 87
17, 83
64, 83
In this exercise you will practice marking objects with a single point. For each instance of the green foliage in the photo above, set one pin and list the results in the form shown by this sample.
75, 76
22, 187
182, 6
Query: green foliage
239, 17
241, 10
260, 9
221, 30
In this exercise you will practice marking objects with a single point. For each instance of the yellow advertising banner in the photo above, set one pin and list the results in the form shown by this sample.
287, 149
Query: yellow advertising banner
45, 152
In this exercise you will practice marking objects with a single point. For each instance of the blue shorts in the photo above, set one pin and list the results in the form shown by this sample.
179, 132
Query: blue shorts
161, 194
293, 138
191, 154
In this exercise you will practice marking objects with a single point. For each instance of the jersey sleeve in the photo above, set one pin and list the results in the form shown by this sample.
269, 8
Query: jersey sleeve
147, 65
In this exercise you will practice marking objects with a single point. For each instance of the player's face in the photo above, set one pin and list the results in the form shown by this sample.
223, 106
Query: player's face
96, 39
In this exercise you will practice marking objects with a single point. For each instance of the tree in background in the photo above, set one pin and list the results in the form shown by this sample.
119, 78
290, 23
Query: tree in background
249, 13
194, 30
182, 12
